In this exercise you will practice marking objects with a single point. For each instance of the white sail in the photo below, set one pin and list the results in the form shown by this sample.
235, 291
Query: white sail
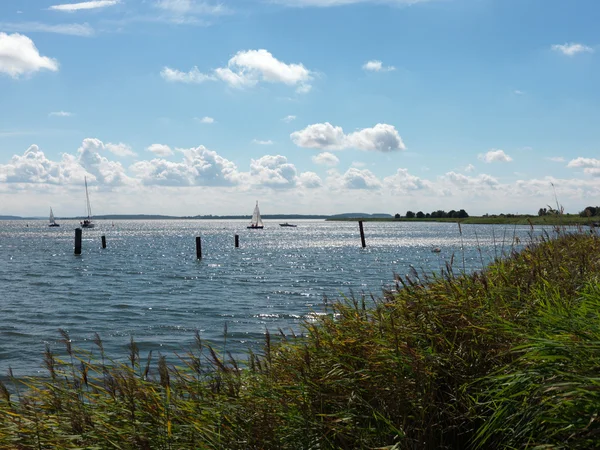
256, 219
52, 217
87, 223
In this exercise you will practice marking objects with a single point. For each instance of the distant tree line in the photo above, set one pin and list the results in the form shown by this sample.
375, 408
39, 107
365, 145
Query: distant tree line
439, 214
590, 211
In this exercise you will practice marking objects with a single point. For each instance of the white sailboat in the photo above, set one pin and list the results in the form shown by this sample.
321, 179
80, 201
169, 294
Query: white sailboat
256, 223
87, 223
52, 221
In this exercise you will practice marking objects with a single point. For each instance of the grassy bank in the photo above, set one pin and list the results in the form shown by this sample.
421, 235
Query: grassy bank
559, 220
504, 358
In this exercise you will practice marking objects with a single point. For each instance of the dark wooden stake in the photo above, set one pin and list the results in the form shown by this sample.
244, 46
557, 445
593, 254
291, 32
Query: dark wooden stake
103, 241
198, 248
237, 241
78, 241
362, 234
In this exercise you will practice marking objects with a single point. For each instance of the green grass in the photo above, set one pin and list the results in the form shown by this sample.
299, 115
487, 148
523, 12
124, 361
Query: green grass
504, 358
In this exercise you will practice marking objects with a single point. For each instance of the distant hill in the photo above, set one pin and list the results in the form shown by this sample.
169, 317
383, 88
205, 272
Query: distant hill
10, 218
360, 215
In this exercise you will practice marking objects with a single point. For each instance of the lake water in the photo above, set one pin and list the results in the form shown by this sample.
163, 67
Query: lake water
148, 283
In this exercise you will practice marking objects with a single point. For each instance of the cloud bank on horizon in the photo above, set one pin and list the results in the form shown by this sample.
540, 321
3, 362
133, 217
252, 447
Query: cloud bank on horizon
217, 105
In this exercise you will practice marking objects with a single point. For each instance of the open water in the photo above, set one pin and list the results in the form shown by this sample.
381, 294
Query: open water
148, 283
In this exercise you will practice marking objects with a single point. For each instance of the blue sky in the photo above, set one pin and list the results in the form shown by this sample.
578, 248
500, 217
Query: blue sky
189, 107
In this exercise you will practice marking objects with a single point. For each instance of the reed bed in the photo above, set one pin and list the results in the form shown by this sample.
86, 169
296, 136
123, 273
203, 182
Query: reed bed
503, 358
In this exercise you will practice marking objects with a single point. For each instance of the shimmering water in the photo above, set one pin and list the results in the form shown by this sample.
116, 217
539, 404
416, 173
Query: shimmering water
148, 284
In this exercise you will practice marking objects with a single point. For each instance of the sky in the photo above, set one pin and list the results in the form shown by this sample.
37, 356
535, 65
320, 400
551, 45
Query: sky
193, 107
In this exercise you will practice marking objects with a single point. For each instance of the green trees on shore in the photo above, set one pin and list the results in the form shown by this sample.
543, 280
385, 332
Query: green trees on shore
439, 214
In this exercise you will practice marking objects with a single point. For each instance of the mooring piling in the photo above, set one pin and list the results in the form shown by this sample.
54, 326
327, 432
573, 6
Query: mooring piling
237, 241
362, 233
78, 241
198, 248
103, 241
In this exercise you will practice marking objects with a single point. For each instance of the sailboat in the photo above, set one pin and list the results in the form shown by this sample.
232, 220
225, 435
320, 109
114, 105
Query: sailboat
257, 223
87, 223
52, 221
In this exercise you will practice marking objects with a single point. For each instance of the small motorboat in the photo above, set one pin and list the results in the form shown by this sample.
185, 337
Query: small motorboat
287, 225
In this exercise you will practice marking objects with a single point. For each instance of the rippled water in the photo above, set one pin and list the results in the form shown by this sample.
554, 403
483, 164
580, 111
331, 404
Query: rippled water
148, 284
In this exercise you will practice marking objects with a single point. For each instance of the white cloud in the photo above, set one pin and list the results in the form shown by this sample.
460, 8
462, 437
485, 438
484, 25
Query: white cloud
518, 92
572, 49
160, 149
19, 56
332, 3
360, 179
464, 181
377, 66
326, 159
120, 149
288, 119
73, 29
590, 166
403, 182
273, 171
557, 159
310, 180
94, 4
382, 137
206, 119
185, 8
495, 156
584, 162
105, 171
260, 142
469, 168
200, 167
247, 69
60, 114
193, 76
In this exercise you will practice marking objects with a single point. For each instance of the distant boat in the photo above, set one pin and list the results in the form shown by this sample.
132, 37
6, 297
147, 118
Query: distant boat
256, 223
287, 225
436, 249
87, 223
52, 221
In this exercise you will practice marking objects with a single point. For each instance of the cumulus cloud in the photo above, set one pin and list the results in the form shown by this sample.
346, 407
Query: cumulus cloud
288, 119
262, 142
354, 178
247, 69
326, 159
495, 156
60, 114
469, 168
200, 167
403, 181
94, 4
377, 66
273, 171
206, 119
105, 171
19, 56
590, 166
464, 181
120, 149
31, 167
310, 180
72, 29
382, 137
572, 49
160, 149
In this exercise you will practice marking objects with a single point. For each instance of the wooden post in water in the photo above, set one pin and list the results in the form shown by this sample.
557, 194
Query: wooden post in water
103, 241
198, 248
362, 234
78, 241
237, 241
